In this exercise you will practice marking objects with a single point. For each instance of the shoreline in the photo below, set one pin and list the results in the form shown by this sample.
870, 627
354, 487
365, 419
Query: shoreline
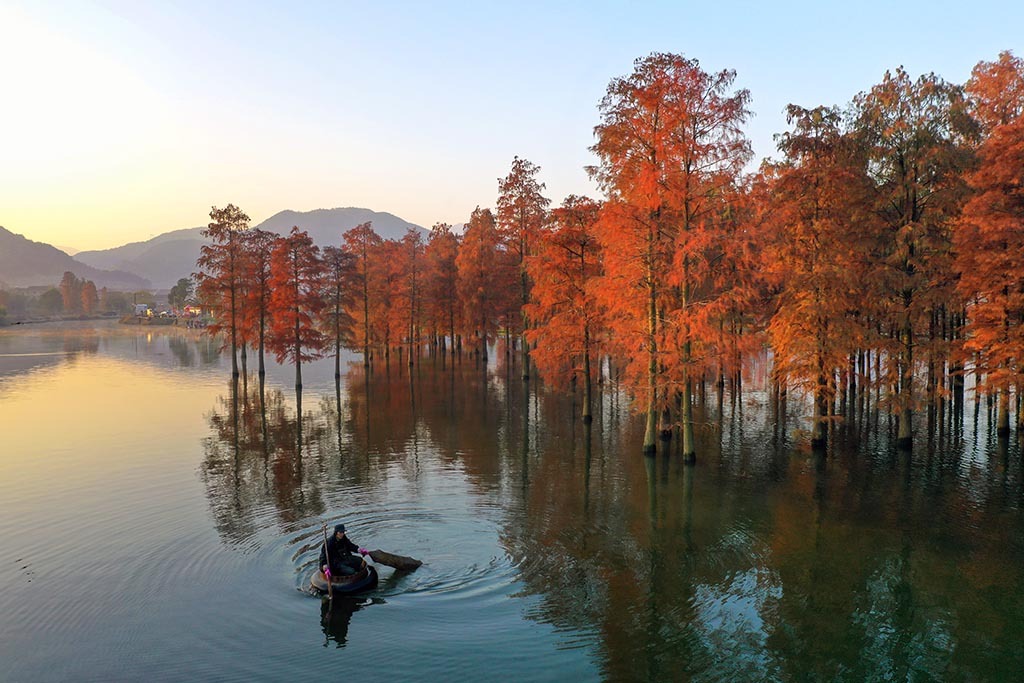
128, 320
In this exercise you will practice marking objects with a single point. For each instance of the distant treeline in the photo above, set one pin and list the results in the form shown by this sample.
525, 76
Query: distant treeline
72, 296
879, 256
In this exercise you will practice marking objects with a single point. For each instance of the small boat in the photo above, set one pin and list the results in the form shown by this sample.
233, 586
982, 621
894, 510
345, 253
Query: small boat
364, 579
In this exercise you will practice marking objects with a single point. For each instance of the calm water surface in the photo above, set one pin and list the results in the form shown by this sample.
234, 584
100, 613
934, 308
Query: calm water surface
154, 525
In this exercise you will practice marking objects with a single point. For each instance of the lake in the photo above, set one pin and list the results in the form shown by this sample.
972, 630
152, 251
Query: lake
155, 524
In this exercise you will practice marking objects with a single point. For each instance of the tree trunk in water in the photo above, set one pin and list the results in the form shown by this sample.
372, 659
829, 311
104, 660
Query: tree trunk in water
1020, 411
234, 335
819, 430
904, 439
263, 324
650, 434
689, 448
957, 369
587, 417
526, 346
1003, 419
819, 433
337, 358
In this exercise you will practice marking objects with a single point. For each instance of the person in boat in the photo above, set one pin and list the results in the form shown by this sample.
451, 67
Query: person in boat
339, 549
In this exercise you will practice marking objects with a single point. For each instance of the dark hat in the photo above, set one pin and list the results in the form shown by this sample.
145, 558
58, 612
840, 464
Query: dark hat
339, 528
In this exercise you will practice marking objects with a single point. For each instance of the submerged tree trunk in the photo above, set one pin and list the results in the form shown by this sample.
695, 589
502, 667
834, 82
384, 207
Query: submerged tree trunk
366, 312
234, 333
689, 447
1003, 418
262, 348
904, 439
819, 430
337, 358
1020, 410
587, 417
650, 433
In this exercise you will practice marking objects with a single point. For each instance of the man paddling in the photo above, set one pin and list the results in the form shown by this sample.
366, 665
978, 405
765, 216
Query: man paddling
338, 549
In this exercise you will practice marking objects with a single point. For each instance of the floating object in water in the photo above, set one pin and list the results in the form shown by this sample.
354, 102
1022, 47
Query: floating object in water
396, 561
364, 579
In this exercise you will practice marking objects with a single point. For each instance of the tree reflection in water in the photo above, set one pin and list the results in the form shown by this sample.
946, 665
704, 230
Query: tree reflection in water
764, 561
183, 350
255, 460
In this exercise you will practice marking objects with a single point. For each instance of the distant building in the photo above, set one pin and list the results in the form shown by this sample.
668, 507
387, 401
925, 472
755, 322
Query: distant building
142, 309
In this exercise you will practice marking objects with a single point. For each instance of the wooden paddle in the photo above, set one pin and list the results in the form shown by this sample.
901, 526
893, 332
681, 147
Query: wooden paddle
392, 560
327, 556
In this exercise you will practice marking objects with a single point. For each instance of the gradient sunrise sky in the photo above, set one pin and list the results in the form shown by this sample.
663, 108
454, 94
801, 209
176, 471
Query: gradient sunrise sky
122, 120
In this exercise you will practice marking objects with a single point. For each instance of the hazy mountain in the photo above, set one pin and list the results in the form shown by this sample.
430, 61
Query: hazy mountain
172, 255
163, 259
24, 263
326, 226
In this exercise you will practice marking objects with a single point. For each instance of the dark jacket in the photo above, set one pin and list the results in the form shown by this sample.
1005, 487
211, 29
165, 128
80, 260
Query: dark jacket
340, 553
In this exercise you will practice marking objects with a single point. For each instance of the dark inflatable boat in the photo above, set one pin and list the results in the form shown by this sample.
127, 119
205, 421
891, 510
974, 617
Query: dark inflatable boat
363, 580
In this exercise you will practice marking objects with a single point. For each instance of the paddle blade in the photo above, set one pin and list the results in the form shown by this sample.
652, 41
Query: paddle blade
392, 560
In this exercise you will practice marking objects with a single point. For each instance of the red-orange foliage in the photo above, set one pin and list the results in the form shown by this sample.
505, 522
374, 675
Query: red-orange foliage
670, 144
362, 242
257, 247
844, 246
90, 298
296, 283
484, 277
567, 317
736, 312
409, 289
914, 135
990, 232
996, 91
219, 281
385, 274
521, 212
442, 281
814, 201
71, 292
339, 296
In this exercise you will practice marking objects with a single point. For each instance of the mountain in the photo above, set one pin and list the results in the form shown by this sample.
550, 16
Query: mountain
326, 226
24, 263
172, 255
163, 259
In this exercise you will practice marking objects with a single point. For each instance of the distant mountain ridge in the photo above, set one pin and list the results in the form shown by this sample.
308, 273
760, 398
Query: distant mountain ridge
172, 255
326, 226
24, 263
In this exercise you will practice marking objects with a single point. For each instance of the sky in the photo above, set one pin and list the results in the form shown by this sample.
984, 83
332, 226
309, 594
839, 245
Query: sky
123, 120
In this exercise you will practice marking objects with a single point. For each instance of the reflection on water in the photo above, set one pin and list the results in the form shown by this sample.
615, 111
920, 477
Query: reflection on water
336, 615
764, 561
540, 535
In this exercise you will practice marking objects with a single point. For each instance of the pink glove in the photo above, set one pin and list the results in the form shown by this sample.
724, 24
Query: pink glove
327, 571
364, 551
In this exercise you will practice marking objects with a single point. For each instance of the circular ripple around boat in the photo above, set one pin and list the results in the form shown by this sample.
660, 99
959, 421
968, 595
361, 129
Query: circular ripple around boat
459, 554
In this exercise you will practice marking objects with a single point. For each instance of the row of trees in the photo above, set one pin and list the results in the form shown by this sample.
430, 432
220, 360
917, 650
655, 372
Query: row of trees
72, 296
78, 295
879, 255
